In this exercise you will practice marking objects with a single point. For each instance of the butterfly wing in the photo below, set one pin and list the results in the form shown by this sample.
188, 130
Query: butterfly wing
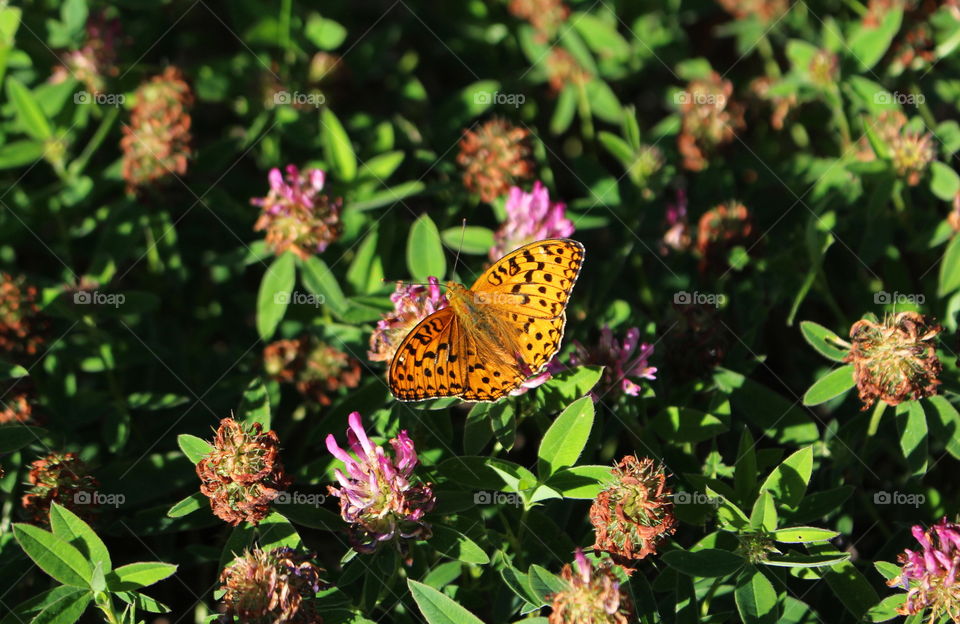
539, 275
429, 362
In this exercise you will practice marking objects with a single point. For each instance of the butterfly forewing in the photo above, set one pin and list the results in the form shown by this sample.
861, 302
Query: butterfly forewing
536, 279
428, 362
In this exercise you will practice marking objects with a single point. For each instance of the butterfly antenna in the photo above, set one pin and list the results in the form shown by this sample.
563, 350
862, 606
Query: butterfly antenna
463, 231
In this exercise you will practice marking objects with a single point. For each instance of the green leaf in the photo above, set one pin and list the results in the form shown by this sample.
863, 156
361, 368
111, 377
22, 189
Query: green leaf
581, 482
143, 602
854, 591
365, 274
796, 560
471, 239
602, 37
454, 544
319, 280
19, 153
912, 427
275, 294
869, 43
944, 181
65, 610
946, 424
53, 555
137, 575
788, 481
564, 110
756, 598
802, 535
29, 113
543, 583
745, 468
15, 437
425, 255
382, 166
729, 516
255, 406
188, 505
764, 514
823, 340
886, 609
193, 447
9, 24
831, 385
564, 441
950, 268
324, 33
706, 563
388, 196
437, 607
684, 424
69, 527
337, 147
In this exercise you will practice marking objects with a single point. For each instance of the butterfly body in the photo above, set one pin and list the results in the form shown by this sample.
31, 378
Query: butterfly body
495, 334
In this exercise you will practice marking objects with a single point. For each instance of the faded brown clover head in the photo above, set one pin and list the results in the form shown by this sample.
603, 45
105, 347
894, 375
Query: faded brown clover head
271, 587
243, 473
61, 478
896, 360
633, 516
494, 157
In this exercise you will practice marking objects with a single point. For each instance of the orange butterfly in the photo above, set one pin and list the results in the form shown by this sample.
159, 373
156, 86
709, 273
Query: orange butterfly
494, 335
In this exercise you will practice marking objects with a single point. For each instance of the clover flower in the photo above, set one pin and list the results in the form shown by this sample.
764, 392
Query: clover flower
21, 325
411, 304
766, 11
494, 156
910, 151
621, 361
95, 60
781, 104
677, 226
243, 473
61, 478
563, 69
379, 496
275, 586
156, 144
296, 215
929, 575
17, 404
316, 368
633, 516
530, 217
896, 360
721, 228
591, 595
546, 16
709, 119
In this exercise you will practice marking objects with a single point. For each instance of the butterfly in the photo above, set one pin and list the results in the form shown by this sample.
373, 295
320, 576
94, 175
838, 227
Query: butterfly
495, 334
